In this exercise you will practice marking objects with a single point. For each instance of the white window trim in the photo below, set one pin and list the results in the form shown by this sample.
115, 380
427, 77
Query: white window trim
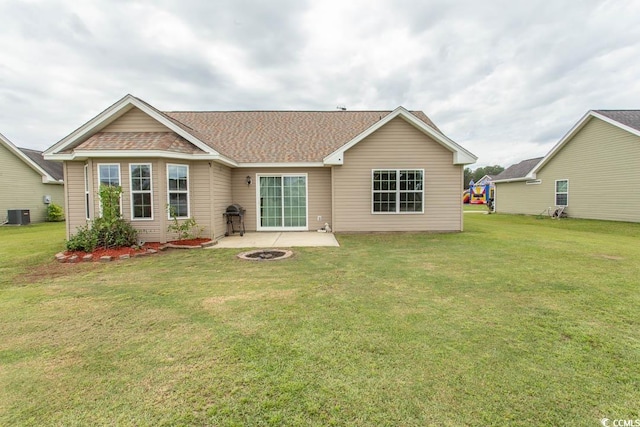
119, 183
87, 199
132, 192
179, 191
282, 175
397, 212
555, 189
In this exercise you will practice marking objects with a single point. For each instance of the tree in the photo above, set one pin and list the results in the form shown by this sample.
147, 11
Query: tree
479, 173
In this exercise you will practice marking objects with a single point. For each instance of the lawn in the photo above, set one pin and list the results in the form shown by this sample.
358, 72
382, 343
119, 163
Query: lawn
516, 321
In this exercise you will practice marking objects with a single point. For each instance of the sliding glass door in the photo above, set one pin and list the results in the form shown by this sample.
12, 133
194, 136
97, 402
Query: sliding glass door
282, 202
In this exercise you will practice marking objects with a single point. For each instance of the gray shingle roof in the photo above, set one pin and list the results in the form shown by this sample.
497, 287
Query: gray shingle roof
518, 170
166, 141
629, 118
280, 136
52, 168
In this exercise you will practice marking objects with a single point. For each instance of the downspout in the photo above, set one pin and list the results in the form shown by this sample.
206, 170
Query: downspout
333, 202
212, 213
65, 175
461, 189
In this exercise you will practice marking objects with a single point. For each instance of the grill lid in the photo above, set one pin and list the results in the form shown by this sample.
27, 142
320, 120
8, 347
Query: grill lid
234, 209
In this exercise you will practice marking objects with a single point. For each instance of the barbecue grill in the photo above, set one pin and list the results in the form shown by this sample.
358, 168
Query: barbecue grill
233, 214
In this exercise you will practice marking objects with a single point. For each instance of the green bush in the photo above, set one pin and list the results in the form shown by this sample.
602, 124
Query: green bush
85, 239
108, 231
187, 229
55, 213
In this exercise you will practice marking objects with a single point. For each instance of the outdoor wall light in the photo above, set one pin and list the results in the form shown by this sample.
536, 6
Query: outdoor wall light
248, 180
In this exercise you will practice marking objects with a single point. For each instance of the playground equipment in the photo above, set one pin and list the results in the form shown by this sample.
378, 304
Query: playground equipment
478, 194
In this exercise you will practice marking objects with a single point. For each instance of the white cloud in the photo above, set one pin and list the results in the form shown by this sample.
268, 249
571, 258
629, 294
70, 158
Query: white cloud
504, 79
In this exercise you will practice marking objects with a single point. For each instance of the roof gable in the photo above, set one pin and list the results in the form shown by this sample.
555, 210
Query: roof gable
60, 151
51, 172
135, 120
628, 120
460, 155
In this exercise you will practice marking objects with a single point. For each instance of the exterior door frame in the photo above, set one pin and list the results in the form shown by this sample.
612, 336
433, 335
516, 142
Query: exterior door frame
259, 227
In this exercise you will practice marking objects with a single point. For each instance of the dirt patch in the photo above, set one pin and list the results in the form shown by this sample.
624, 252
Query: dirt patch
610, 257
250, 296
48, 271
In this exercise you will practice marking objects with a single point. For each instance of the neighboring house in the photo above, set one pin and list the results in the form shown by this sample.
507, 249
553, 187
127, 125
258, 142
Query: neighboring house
485, 180
358, 171
592, 172
27, 178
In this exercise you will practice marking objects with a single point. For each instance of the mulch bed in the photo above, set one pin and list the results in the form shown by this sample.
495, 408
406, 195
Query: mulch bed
103, 254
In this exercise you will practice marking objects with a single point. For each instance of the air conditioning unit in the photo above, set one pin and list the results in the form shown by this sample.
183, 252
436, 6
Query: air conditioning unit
19, 216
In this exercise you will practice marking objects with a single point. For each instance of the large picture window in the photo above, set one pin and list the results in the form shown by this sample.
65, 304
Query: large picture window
178, 190
141, 191
398, 191
562, 192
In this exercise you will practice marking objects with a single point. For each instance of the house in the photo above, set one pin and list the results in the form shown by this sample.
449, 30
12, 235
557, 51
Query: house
29, 181
592, 172
359, 171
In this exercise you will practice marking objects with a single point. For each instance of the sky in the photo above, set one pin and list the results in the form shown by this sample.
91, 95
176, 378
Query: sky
504, 79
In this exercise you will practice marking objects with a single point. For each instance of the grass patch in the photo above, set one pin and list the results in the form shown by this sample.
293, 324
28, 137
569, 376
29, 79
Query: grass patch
23, 248
475, 208
517, 321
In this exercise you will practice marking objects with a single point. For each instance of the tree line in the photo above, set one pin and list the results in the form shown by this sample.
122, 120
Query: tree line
478, 173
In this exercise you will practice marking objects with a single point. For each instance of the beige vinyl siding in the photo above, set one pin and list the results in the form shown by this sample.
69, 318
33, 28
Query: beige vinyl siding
318, 187
222, 197
397, 145
75, 196
22, 188
602, 164
200, 200
135, 120
520, 198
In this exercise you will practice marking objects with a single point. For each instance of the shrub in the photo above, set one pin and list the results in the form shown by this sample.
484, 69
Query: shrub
55, 213
85, 239
108, 231
187, 229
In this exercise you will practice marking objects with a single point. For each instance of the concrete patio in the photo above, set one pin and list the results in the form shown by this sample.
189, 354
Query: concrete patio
287, 239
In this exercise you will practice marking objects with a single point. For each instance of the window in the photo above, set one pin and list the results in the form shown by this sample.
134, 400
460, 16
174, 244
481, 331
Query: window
109, 174
397, 191
86, 192
141, 197
562, 192
178, 190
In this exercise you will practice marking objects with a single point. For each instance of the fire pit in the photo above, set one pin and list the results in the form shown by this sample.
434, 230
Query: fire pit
265, 255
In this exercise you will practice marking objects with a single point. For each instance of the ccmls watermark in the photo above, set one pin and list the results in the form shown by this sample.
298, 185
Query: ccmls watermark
606, 422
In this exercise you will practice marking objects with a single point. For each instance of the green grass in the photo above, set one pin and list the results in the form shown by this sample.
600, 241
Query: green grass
516, 321
474, 208
26, 247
